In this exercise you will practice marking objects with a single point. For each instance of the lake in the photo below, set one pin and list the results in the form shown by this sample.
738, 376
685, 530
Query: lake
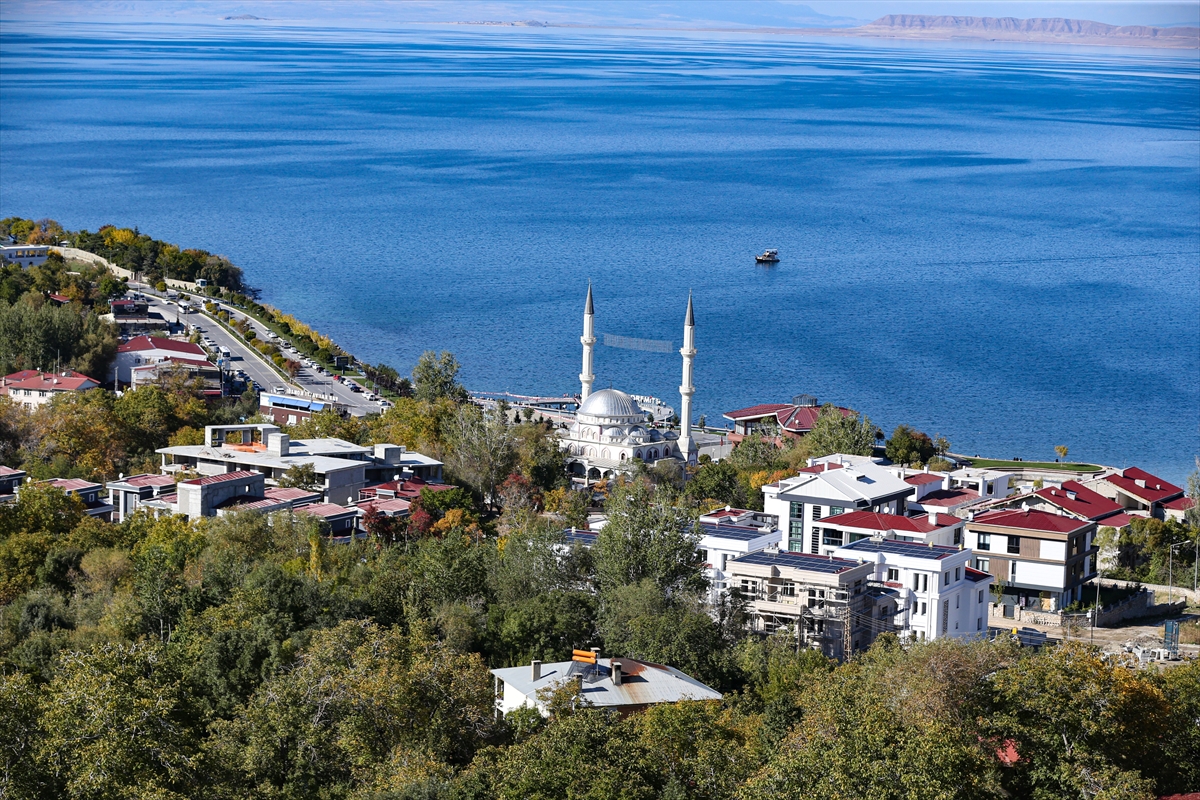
999, 244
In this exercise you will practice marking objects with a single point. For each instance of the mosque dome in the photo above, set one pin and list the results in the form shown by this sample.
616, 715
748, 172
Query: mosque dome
612, 404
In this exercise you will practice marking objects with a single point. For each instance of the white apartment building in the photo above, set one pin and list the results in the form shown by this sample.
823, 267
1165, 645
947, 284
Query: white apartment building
940, 594
932, 528
830, 488
1042, 559
722, 541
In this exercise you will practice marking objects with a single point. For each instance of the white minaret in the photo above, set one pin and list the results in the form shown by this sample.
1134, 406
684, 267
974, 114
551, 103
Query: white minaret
686, 389
588, 340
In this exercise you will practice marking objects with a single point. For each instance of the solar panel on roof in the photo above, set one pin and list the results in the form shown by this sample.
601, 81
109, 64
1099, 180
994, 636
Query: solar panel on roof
913, 549
736, 533
805, 561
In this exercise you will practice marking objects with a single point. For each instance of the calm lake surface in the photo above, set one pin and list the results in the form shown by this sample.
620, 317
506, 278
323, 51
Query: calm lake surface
998, 244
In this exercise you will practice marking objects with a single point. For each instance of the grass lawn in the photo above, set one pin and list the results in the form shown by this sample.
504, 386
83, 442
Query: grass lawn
989, 463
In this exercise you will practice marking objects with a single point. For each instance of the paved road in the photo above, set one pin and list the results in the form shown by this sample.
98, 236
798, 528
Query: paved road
247, 359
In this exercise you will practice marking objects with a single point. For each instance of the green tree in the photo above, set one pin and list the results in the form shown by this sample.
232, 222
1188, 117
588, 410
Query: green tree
835, 432
436, 377
647, 537
301, 476
118, 719
1061, 450
717, 480
908, 446
481, 452
20, 738
1083, 725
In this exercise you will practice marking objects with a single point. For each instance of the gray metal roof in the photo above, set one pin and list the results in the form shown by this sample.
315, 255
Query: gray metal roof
642, 682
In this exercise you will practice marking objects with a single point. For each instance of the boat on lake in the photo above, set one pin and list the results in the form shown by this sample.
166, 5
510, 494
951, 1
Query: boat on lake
768, 257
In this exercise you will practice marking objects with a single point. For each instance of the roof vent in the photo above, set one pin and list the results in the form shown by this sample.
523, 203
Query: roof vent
535, 670
804, 401
1071, 495
616, 672
1141, 482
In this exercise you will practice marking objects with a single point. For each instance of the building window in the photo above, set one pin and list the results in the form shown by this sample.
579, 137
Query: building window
724, 561
796, 510
835, 510
957, 573
924, 609
816, 512
983, 564
985, 542
979, 624
789, 590
893, 574
1014, 545
981, 595
704, 556
958, 535
832, 537
945, 579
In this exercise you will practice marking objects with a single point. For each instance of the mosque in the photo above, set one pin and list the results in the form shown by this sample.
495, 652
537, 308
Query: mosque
610, 428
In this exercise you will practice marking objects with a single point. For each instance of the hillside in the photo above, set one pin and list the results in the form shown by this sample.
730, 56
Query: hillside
1050, 29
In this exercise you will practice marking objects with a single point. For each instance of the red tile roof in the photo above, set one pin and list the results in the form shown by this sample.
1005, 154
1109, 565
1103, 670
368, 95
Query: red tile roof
1032, 520
67, 381
1085, 502
922, 478
1115, 521
947, 498
757, 412
71, 484
824, 466
1154, 490
800, 419
10, 471
871, 521
58, 298
386, 505
289, 493
208, 480
325, 510
975, 576
1179, 504
149, 480
249, 502
160, 343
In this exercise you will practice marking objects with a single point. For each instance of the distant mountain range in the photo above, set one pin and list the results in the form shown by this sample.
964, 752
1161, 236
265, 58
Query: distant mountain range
1051, 29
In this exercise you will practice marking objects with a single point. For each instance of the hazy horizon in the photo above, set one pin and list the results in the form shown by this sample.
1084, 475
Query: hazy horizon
639, 13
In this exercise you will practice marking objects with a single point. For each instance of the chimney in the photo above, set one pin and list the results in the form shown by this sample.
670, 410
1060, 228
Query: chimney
811, 461
926, 468
616, 672
535, 670
1141, 482
933, 518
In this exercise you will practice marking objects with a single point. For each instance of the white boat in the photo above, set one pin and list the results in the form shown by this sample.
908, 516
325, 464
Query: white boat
768, 257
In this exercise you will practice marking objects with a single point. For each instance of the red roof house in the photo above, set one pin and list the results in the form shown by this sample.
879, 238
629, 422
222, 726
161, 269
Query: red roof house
32, 388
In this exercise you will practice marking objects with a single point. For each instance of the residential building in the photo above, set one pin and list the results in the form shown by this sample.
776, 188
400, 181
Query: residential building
86, 491
624, 685
209, 376
722, 542
338, 522
1140, 493
126, 494
32, 388
398, 463
1036, 555
932, 528
828, 489
404, 489
777, 420
940, 594
27, 255
1076, 500
10, 482
151, 350
203, 497
287, 410
342, 468
831, 603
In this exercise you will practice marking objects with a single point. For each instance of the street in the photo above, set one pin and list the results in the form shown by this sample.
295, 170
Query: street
254, 364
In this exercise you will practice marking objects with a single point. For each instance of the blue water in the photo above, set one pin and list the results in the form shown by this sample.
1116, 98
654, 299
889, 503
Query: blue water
997, 244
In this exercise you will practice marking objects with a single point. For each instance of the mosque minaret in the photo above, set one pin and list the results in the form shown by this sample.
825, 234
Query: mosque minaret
686, 389
610, 429
586, 377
